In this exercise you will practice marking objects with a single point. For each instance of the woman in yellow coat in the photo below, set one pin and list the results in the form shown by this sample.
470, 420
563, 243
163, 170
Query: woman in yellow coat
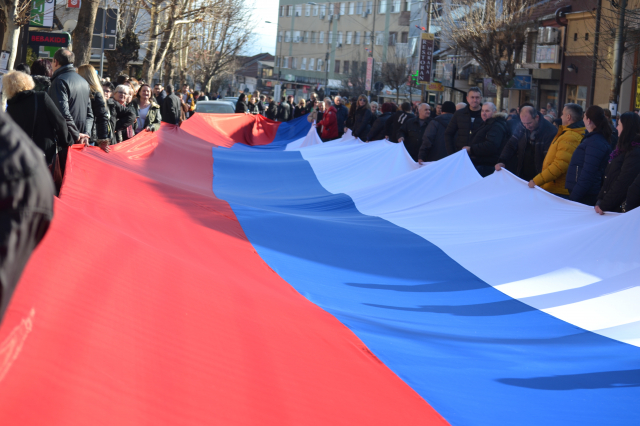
556, 162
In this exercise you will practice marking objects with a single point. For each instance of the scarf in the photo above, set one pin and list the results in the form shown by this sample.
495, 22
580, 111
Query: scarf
617, 151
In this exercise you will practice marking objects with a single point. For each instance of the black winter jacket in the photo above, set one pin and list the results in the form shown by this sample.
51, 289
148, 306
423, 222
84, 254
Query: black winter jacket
342, 112
433, 147
621, 172
412, 131
394, 123
241, 107
253, 109
121, 118
100, 129
272, 111
633, 195
362, 123
161, 97
587, 166
260, 106
171, 110
298, 111
42, 83
541, 139
47, 126
489, 140
284, 111
70, 93
377, 129
459, 131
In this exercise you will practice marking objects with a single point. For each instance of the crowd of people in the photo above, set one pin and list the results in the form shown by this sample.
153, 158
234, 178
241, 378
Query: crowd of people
579, 155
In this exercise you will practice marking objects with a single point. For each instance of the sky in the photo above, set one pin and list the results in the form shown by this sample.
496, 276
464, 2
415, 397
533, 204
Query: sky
264, 34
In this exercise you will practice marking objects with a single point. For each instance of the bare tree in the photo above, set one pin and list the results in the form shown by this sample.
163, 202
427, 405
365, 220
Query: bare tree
492, 33
84, 31
15, 13
395, 72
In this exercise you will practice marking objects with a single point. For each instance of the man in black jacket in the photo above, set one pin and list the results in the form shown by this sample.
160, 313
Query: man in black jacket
272, 109
433, 147
529, 146
159, 93
396, 121
412, 131
171, 108
26, 191
284, 110
464, 123
489, 140
341, 114
71, 94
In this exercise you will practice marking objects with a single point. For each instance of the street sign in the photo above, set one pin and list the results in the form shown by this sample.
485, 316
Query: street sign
42, 13
426, 57
109, 42
73, 4
111, 23
369, 76
520, 82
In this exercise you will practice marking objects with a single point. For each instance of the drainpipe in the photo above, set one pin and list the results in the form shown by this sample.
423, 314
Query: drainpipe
561, 19
596, 43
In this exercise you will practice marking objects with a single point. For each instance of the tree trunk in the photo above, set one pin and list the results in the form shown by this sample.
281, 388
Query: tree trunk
150, 56
83, 33
499, 90
11, 34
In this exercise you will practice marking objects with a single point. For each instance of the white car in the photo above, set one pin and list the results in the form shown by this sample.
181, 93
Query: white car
215, 107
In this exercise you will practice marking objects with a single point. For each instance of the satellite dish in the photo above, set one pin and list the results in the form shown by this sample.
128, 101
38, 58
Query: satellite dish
70, 25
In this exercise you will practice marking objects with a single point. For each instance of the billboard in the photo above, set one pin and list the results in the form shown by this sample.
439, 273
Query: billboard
42, 13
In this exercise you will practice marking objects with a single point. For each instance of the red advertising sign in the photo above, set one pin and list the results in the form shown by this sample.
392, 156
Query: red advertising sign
426, 58
367, 84
73, 4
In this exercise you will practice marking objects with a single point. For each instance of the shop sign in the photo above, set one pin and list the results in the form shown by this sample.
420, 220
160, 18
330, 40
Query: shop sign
42, 13
638, 93
547, 54
520, 82
369, 76
434, 87
426, 57
488, 88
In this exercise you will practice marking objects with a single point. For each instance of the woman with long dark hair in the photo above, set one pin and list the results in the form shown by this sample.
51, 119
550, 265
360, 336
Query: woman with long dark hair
41, 72
362, 119
589, 160
624, 165
241, 106
351, 116
148, 111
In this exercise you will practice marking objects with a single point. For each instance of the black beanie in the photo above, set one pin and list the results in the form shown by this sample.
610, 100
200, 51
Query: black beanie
449, 107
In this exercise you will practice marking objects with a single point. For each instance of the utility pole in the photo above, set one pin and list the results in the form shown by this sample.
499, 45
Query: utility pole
328, 55
596, 45
618, 56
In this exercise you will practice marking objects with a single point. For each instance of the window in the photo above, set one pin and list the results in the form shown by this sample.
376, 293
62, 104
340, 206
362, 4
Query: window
319, 65
346, 67
315, 10
305, 39
281, 10
287, 36
383, 6
359, 8
343, 8
367, 37
392, 38
296, 36
369, 7
352, 8
280, 35
321, 37
577, 95
329, 37
357, 39
586, 36
349, 37
312, 63
379, 38
408, 6
313, 36
330, 9
289, 10
294, 63
327, 66
323, 10
339, 37
277, 64
307, 10
336, 67
354, 67
299, 10
395, 6
285, 62
404, 38
303, 64
575, 37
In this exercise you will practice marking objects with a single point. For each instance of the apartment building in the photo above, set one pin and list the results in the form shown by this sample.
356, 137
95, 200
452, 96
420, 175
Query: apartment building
324, 44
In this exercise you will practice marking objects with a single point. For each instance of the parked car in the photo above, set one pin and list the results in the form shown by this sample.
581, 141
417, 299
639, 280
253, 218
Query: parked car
215, 107
231, 99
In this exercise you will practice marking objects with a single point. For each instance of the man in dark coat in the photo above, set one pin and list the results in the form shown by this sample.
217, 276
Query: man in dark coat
71, 94
26, 190
272, 109
377, 129
171, 108
464, 123
489, 140
396, 121
529, 146
284, 110
362, 122
433, 147
342, 113
159, 93
412, 131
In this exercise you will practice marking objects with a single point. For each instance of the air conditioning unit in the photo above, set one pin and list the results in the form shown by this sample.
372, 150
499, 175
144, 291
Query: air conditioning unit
321, 16
541, 35
339, 45
552, 35
364, 14
297, 13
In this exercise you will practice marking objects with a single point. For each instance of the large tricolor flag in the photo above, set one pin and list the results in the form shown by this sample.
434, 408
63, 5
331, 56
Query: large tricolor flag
236, 271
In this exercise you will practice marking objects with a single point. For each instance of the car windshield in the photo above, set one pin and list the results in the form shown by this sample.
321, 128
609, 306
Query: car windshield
214, 108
